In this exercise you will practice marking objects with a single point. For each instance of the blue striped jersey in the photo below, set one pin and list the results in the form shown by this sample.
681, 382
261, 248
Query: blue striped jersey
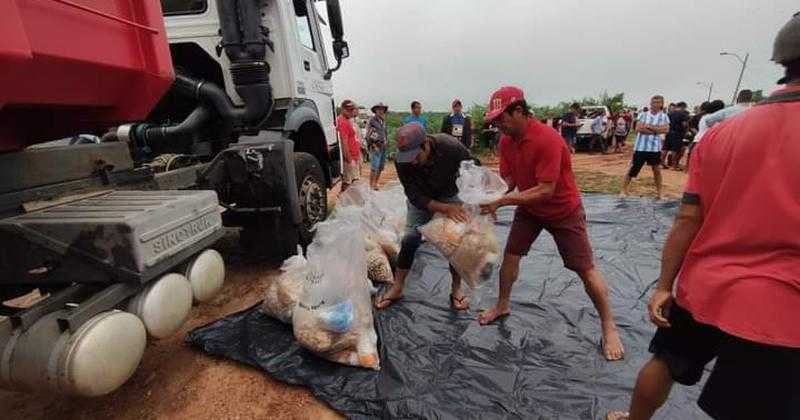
650, 142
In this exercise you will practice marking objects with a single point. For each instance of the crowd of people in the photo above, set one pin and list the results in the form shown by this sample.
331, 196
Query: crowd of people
371, 146
728, 289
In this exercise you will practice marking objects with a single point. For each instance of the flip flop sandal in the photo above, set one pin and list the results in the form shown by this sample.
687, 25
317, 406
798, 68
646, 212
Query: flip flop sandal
460, 301
379, 305
497, 318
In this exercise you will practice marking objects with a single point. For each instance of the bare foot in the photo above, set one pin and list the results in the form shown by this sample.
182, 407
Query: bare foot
493, 314
392, 295
623, 194
612, 345
618, 415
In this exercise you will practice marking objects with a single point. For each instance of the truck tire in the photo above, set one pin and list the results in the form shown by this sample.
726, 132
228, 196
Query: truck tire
312, 194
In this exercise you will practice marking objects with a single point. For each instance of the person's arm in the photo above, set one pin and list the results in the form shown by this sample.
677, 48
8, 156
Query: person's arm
468, 130
684, 230
453, 211
420, 200
548, 171
541, 192
642, 127
663, 127
446, 126
343, 143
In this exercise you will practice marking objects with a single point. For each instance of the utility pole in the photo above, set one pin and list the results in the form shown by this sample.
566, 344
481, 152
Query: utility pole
710, 89
741, 73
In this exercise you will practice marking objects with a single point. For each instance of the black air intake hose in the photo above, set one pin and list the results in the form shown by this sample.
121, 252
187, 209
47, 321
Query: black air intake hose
245, 42
193, 123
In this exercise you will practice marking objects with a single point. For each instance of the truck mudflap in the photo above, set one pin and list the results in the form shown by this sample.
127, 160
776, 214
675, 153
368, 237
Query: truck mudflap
120, 236
256, 183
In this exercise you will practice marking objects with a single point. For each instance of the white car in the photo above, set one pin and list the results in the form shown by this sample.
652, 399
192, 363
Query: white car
586, 129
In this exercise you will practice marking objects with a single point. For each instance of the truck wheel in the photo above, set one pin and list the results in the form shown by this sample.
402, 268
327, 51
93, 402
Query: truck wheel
312, 193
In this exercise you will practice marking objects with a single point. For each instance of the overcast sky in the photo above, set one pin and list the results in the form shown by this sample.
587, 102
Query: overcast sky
436, 50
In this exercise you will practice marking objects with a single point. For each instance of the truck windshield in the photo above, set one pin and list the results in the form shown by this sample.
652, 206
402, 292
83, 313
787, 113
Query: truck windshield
183, 7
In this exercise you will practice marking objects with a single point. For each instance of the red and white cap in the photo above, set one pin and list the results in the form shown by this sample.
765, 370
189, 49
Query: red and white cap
500, 100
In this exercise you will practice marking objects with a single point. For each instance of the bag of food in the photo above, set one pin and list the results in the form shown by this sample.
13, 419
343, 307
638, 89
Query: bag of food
283, 290
333, 317
379, 269
471, 247
378, 216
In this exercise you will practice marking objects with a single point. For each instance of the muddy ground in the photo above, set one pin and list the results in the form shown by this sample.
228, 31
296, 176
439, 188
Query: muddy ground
175, 381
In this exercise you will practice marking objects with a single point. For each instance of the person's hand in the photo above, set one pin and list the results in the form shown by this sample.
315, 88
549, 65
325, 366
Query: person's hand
455, 212
659, 305
490, 208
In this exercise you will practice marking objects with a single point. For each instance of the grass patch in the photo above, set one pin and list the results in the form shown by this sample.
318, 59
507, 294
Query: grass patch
598, 182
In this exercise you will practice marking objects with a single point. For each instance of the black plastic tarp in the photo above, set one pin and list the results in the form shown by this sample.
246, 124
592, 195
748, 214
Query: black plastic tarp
542, 362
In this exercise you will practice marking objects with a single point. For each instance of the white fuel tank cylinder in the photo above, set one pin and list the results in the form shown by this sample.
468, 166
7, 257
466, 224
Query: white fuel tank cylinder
163, 305
206, 274
97, 359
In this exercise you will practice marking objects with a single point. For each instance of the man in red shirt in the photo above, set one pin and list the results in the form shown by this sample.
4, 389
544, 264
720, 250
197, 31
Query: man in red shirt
735, 249
351, 149
536, 161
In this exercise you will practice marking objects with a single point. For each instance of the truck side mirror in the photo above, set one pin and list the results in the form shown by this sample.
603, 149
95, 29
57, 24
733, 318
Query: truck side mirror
335, 19
340, 48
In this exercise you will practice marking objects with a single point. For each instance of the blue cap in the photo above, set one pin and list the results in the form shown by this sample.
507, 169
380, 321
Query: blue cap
409, 142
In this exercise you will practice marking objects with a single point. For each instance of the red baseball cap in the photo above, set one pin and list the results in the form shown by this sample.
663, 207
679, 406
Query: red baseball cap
500, 100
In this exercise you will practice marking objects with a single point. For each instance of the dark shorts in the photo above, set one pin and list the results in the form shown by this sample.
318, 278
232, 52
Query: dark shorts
569, 233
640, 158
748, 381
621, 139
673, 142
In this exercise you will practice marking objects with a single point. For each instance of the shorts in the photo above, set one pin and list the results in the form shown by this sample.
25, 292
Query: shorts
674, 143
748, 381
377, 160
569, 233
352, 172
621, 139
640, 158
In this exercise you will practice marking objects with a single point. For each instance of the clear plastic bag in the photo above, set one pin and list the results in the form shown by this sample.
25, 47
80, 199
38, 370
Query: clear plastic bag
479, 185
471, 247
383, 215
333, 317
284, 290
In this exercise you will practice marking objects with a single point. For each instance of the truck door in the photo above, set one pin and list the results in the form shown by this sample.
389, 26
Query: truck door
313, 66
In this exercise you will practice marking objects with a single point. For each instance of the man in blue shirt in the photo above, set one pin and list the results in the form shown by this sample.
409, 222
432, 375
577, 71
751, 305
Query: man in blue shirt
416, 116
650, 127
